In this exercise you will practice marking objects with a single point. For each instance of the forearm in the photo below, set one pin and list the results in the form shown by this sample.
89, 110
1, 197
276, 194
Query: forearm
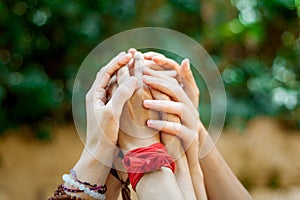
198, 182
182, 173
113, 188
157, 185
91, 170
183, 178
220, 182
196, 171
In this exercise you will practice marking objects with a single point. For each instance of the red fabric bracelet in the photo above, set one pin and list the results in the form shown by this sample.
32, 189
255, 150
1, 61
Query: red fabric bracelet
146, 159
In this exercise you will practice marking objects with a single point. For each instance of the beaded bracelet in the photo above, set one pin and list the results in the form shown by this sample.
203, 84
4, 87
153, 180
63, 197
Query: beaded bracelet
72, 190
95, 187
60, 193
69, 180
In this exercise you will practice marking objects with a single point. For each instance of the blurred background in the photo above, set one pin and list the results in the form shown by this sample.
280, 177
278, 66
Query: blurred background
255, 44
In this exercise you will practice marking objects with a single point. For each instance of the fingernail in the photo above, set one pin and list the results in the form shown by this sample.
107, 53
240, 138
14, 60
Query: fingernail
188, 63
145, 78
138, 55
146, 103
150, 122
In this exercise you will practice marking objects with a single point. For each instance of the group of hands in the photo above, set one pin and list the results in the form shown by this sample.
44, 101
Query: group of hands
127, 91
136, 100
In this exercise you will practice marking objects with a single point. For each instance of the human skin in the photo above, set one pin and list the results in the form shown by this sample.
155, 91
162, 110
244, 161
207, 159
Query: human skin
163, 183
220, 181
172, 143
103, 118
216, 172
102, 124
185, 128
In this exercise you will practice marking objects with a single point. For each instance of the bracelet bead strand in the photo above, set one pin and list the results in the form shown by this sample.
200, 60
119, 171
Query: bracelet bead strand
92, 193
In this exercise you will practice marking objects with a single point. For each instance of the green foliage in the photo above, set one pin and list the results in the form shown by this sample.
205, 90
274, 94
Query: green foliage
255, 44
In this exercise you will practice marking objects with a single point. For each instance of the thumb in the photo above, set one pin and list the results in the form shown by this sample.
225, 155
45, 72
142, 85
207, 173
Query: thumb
122, 94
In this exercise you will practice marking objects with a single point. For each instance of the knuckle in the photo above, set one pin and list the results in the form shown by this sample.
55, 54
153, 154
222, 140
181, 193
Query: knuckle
176, 128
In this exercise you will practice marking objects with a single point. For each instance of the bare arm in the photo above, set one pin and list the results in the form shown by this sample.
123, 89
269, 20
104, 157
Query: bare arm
102, 126
159, 184
220, 181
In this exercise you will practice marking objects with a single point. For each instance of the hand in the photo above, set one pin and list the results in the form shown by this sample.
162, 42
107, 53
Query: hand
103, 123
180, 106
187, 131
103, 115
185, 77
133, 132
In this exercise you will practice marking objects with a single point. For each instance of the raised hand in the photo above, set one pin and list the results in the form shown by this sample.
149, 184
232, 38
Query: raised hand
133, 132
186, 128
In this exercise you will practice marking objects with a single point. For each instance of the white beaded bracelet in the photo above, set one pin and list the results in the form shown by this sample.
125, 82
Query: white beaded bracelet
67, 178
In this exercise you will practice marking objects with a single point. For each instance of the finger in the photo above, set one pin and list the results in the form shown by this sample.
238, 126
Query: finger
138, 65
112, 86
171, 142
122, 75
160, 96
99, 74
157, 95
172, 108
111, 89
171, 128
166, 106
189, 83
169, 73
104, 77
122, 94
164, 86
152, 65
131, 62
149, 55
174, 91
167, 63
112, 68
166, 74
112, 80
132, 51
98, 89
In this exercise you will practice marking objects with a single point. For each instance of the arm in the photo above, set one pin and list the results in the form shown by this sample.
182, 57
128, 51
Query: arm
171, 142
220, 181
186, 128
176, 150
183, 76
158, 184
102, 126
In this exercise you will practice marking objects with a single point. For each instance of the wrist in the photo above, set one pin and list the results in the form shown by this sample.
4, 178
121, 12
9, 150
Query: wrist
196, 170
91, 169
99, 148
86, 166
